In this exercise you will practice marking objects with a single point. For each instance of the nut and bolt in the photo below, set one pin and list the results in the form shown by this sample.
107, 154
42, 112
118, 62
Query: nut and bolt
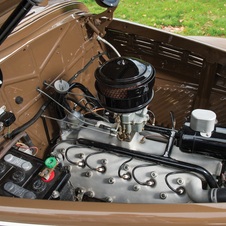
128, 136
88, 174
104, 161
136, 187
81, 155
153, 174
62, 151
81, 191
69, 167
111, 180
180, 181
126, 167
55, 194
90, 194
162, 195
108, 199
142, 141
59, 156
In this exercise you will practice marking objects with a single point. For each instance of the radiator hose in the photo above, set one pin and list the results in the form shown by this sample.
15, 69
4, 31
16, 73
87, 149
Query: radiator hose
31, 121
217, 195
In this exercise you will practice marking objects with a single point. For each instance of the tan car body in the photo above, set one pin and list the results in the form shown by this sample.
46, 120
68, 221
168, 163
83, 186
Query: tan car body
57, 40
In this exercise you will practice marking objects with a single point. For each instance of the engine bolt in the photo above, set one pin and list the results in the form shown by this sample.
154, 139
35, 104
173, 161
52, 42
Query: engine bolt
162, 195
128, 136
62, 151
55, 194
136, 187
111, 180
153, 174
81, 155
108, 199
69, 167
180, 181
81, 190
126, 167
88, 174
104, 161
59, 156
90, 194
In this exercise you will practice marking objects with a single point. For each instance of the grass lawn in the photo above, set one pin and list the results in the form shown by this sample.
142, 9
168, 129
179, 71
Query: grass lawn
186, 17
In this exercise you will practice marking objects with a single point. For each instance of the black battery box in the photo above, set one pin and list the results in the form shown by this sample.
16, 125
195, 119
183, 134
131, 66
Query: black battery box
19, 177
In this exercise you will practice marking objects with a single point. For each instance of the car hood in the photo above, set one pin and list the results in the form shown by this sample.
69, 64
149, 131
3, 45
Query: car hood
7, 6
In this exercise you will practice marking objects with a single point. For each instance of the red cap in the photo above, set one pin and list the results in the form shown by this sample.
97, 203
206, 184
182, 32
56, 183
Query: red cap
52, 175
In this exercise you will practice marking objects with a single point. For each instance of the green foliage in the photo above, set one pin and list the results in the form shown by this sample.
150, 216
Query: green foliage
187, 17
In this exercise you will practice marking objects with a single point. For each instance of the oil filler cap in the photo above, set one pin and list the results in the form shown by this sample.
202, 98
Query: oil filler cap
203, 121
124, 84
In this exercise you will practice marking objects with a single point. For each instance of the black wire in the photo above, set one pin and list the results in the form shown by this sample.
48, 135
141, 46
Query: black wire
66, 156
86, 66
167, 183
66, 105
86, 91
120, 168
86, 159
60, 110
151, 158
31, 121
133, 173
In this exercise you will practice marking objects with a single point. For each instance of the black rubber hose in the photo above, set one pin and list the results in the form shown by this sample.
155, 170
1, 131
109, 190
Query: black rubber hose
60, 111
66, 105
221, 195
156, 129
85, 91
152, 158
31, 121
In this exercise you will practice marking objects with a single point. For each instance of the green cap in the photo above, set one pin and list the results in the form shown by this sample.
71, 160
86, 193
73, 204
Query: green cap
50, 162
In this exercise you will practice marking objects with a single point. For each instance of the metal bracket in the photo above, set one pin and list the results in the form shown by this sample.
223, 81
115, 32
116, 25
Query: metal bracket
99, 22
47, 172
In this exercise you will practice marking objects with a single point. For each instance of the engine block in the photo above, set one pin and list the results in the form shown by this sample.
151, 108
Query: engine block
116, 178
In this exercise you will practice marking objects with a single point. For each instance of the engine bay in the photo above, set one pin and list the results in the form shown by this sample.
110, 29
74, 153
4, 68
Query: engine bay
109, 148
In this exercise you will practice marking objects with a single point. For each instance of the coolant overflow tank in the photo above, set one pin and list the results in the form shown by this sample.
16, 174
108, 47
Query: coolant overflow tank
124, 84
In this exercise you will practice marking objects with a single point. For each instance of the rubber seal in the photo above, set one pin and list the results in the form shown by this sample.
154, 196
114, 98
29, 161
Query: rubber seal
50, 162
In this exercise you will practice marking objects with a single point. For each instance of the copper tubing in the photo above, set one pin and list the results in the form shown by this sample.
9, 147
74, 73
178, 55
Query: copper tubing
11, 143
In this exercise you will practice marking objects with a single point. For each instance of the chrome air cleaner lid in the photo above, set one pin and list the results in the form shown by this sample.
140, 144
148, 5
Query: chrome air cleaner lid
125, 84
